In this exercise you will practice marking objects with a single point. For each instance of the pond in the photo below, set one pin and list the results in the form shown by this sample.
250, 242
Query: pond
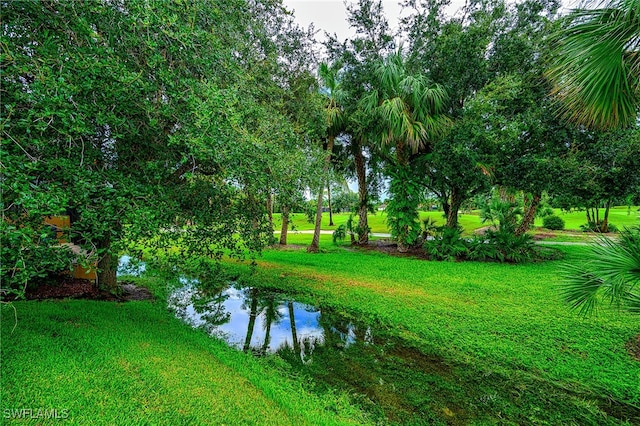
390, 380
387, 378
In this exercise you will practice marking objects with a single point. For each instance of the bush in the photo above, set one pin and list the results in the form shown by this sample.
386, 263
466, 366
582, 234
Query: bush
447, 244
553, 222
503, 246
339, 234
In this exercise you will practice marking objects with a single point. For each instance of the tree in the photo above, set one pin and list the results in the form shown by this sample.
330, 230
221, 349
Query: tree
142, 122
596, 70
408, 110
600, 170
359, 57
335, 121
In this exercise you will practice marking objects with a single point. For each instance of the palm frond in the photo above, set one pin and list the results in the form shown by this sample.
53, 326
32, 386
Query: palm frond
581, 288
597, 67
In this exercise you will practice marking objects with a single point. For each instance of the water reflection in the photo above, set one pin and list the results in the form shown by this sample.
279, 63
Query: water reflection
128, 265
251, 319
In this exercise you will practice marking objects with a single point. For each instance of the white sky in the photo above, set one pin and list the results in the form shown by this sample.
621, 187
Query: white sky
330, 15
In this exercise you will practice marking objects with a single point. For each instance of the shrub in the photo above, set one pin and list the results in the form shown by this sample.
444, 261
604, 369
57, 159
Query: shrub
503, 246
447, 244
553, 222
339, 234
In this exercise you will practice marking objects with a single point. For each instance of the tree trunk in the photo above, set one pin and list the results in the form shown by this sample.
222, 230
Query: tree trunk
456, 201
446, 207
252, 319
285, 225
529, 215
329, 201
315, 243
605, 222
403, 161
107, 266
294, 334
361, 174
270, 209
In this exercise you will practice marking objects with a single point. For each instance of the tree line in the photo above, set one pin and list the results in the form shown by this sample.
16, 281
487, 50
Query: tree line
159, 125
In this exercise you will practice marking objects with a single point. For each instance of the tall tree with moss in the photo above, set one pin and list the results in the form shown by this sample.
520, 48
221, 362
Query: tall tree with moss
409, 113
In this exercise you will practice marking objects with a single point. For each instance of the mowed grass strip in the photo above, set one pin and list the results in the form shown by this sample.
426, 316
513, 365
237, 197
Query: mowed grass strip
508, 318
620, 216
133, 363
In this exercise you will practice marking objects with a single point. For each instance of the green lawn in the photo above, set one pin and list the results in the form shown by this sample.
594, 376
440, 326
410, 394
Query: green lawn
513, 352
502, 327
107, 363
377, 222
619, 216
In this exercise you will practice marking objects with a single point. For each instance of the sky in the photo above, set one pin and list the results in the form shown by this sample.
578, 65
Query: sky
330, 15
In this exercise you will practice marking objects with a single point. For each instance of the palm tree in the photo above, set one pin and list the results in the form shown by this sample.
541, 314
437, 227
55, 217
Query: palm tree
596, 68
612, 274
408, 110
597, 78
333, 94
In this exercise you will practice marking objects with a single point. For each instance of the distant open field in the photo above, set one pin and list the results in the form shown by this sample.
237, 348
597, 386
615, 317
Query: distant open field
619, 216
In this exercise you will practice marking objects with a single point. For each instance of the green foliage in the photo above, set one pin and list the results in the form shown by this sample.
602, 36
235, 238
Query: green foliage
339, 234
596, 67
503, 246
143, 120
354, 230
30, 254
447, 244
597, 227
402, 208
502, 213
553, 222
600, 171
611, 275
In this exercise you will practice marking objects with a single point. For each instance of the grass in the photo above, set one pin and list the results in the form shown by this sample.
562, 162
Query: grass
377, 221
500, 322
470, 221
134, 363
512, 351
619, 216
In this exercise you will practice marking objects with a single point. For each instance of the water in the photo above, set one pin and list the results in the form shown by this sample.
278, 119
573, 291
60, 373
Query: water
339, 350
130, 266
258, 320
385, 377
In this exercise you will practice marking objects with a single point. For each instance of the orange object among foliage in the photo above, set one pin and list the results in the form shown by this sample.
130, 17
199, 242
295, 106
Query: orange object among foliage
62, 225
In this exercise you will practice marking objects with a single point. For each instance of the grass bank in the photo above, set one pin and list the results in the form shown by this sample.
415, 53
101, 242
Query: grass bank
107, 363
502, 327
